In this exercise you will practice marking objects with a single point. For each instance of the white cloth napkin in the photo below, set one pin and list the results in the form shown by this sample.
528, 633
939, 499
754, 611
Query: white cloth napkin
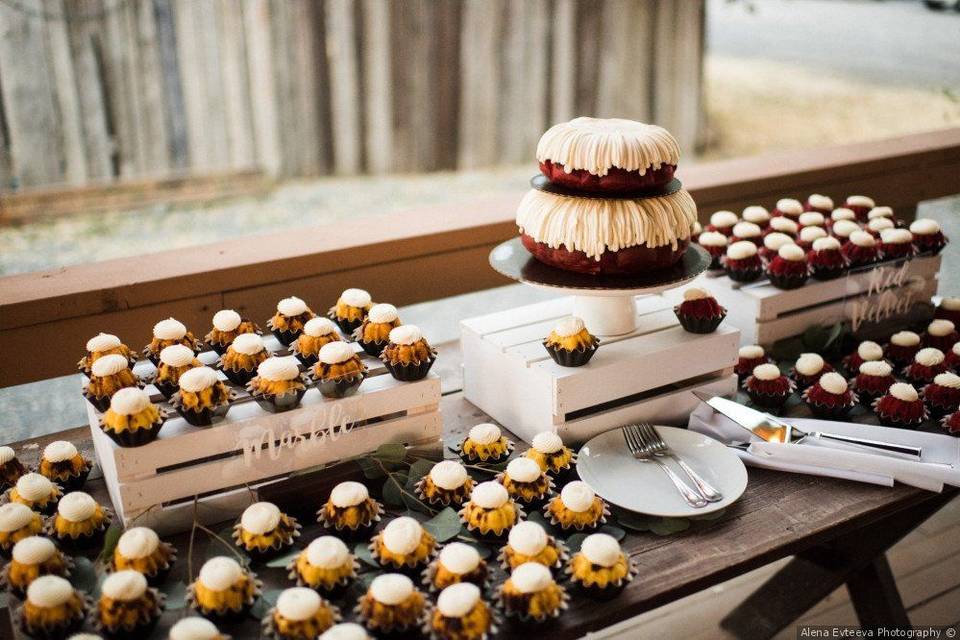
938, 465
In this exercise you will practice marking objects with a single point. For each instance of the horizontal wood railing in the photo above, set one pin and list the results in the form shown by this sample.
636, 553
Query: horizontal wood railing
403, 258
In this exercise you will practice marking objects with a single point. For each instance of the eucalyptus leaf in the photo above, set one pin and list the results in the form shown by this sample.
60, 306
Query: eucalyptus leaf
391, 452
4, 600
393, 489
260, 609
367, 578
788, 349
415, 505
419, 516
176, 593
270, 596
362, 552
713, 515
281, 561
371, 470
635, 521
444, 526
536, 516
833, 335
574, 542
110, 539
484, 551
84, 576
669, 526
420, 468
615, 532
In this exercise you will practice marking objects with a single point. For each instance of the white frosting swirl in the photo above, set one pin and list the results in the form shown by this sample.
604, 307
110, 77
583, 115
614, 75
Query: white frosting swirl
878, 368
924, 226
862, 239
248, 344
789, 206
260, 518
278, 368
345, 631
784, 225
391, 588
595, 225
905, 339
138, 542
843, 228
811, 219
577, 496
531, 577
49, 591
596, 145
194, 628
327, 552
741, 250
860, 201
124, 585
459, 558
59, 451
108, 365
695, 293
197, 379
746, 230
818, 201
298, 603
750, 352
842, 214
77, 506
319, 326
940, 328
903, 391
878, 213
129, 401
485, 433
723, 219
448, 475
947, 379
7, 454
929, 357
601, 549
527, 538
335, 352
523, 470
570, 326
458, 599
348, 494
220, 573
792, 252
176, 355
809, 364
292, 306
766, 372
809, 234
547, 442
382, 313
773, 241
756, 214
33, 550
877, 225
402, 535
356, 298
896, 236
169, 329
489, 495
14, 515
102, 342
869, 350
826, 244
833, 382
226, 320
34, 487
405, 334
712, 239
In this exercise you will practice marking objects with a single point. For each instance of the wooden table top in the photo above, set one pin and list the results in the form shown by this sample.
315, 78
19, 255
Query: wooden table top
779, 514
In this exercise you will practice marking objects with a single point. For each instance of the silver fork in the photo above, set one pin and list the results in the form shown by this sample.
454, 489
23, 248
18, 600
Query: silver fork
631, 434
652, 438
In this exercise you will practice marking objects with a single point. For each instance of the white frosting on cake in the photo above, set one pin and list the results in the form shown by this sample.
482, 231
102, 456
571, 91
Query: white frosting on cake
903, 391
809, 234
248, 344
601, 549
382, 313
905, 339
924, 226
458, 599
792, 252
860, 201
327, 552
811, 219
108, 365
220, 573
595, 225
746, 230
723, 219
176, 355
940, 328
809, 364
7, 454
129, 401
402, 535
929, 357
14, 515
826, 244
896, 236
741, 250
596, 145
298, 603
348, 494
577, 496
356, 298
712, 239
523, 470
878, 368
459, 558
844, 228
818, 201
448, 475
77, 506
773, 241
789, 206
33, 550
842, 213
485, 433
138, 542
319, 326
547, 442
260, 518
950, 304
277, 368
226, 320
878, 213
49, 591
751, 352
124, 585
34, 487
947, 379
527, 538
695, 293
756, 214
405, 334
869, 350
862, 239
292, 306
345, 631
569, 326
336, 352
197, 379
169, 329
766, 372
696, 228
833, 382
194, 628
784, 225
59, 451
102, 342
391, 588
531, 577
877, 225
489, 495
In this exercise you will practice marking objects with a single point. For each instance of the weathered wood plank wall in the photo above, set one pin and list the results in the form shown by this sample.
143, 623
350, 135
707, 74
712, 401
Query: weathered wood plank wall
94, 91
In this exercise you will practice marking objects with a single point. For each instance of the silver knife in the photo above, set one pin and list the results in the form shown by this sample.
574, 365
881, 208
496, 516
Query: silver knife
772, 429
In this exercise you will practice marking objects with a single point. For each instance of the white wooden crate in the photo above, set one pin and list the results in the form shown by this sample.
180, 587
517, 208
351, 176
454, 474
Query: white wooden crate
221, 466
765, 314
644, 375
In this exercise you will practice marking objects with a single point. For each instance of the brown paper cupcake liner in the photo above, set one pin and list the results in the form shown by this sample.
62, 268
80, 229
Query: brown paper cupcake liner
503, 457
339, 387
693, 324
496, 620
75, 482
445, 498
787, 281
602, 594
373, 348
525, 617
138, 437
102, 403
896, 422
410, 372
335, 590
744, 275
536, 501
411, 568
279, 544
830, 412
48, 509
154, 358
562, 550
579, 527
490, 535
286, 337
226, 616
483, 579
239, 377
83, 543
307, 360
576, 358
204, 417
280, 402
21, 593
268, 628
769, 400
59, 632
137, 631
346, 326
826, 273
355, 533
391, 630
157, 577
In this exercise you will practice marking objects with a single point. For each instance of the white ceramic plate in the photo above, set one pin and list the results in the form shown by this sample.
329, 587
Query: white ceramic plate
606, 465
